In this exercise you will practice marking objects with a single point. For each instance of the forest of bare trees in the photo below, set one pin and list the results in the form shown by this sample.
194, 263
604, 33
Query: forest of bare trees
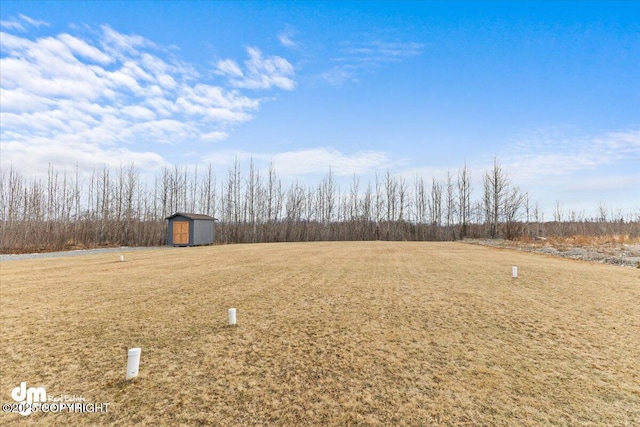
119, 208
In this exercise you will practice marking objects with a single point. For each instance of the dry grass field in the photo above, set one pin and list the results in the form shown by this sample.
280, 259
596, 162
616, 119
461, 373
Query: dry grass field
369, 333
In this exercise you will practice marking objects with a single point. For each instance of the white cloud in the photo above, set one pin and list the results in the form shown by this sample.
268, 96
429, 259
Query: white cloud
605, 183
33, 22
46, 67
286, 38
214, 136
259, 72
21, 23
19, 100
395, 51
552, 152
83, 97
338, 76
229, 68
137, 112
320, 160
305, 166
558, 164
619, 145
38, 153
12, 25
84, 49
120, 44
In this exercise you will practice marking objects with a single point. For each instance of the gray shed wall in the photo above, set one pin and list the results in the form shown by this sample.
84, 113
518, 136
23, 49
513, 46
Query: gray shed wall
170, 233
202, 232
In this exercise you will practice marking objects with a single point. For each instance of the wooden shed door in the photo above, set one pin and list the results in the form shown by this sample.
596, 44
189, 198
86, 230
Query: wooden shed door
181, 232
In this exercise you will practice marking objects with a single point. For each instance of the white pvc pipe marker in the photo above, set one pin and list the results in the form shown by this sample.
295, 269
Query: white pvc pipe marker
133, 362
514, 272
232, 316
121, 258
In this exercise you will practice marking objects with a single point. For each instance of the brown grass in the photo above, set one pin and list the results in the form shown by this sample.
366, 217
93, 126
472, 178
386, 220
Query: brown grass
372, 333
584, 241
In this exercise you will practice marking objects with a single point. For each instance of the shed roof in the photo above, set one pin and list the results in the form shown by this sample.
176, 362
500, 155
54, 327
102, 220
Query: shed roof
192, 216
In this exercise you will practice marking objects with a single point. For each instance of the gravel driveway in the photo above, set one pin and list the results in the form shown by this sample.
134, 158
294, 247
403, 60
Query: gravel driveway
11, 257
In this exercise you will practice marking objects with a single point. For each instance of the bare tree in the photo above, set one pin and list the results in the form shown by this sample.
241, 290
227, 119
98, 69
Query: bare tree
450, 204
367, 215
402, 198
435, 209
354, 217
274, 195
130, 212
327, 198
208, 193
496, 184
252, 200
464, 200
513, 202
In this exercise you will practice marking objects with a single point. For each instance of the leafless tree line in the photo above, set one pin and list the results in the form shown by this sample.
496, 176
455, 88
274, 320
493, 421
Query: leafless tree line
118, 207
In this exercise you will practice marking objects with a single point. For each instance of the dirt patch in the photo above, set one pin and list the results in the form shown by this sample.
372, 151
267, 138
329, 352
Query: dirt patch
614, 250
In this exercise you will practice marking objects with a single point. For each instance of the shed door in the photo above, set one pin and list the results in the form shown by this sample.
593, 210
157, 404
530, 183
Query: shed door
181, 232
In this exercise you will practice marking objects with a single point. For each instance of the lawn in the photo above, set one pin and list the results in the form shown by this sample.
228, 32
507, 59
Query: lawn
330, 333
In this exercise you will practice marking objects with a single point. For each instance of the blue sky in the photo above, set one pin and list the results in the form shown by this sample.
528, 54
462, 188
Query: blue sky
552, 89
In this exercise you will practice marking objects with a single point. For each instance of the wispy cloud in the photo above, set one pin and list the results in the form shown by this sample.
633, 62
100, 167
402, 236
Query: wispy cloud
259, 72
320, 160
287, 38
33, 22
552, 152
378, 52
12, 25
339, 75
367, 56
21, 23
561, 164
297, 164
99, 98
605, 183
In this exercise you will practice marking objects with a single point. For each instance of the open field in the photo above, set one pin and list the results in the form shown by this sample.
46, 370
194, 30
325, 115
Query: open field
335, 333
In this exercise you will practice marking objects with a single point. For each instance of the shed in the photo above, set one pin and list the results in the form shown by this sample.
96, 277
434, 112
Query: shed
190, 229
